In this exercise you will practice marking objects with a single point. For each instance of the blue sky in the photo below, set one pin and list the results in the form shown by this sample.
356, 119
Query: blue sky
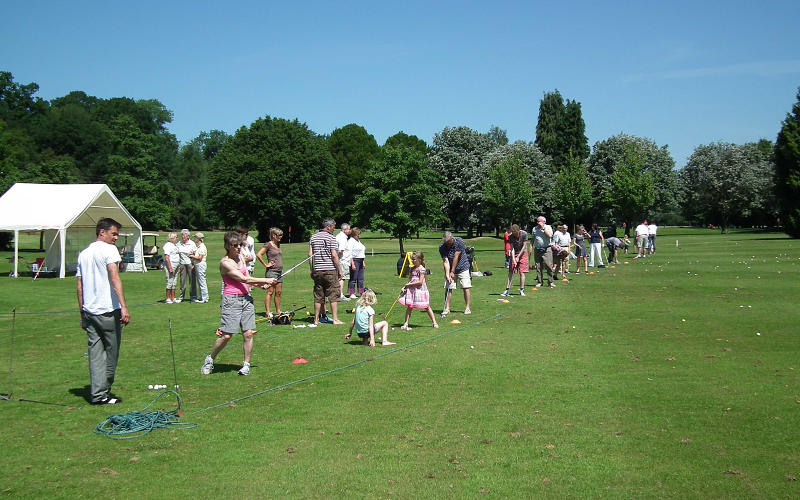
679, 73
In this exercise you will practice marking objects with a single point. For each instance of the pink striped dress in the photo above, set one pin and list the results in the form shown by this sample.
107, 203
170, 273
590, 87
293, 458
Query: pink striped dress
416, 297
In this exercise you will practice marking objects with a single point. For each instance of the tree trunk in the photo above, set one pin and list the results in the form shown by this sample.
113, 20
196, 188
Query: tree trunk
402, 248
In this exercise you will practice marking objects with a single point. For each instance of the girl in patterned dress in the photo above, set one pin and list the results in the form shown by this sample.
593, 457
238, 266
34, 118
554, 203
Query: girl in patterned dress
416, 294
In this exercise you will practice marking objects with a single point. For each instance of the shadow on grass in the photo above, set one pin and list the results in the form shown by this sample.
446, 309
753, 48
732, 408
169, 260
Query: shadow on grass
82, 392
225, 368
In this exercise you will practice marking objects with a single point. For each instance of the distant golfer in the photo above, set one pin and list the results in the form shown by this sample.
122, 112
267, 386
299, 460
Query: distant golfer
236, 310
518, 263
103, 310
456, 266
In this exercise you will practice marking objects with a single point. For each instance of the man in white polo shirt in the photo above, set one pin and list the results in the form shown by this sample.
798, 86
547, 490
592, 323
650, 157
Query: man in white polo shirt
103, 310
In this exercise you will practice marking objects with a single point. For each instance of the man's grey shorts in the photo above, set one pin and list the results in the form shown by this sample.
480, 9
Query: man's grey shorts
237, 312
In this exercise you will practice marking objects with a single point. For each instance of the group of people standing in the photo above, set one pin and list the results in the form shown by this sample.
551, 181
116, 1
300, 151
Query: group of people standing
185, 259
332, 260
552, 250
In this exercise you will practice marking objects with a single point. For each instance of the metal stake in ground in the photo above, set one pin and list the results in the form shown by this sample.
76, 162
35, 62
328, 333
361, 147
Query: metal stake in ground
179, 412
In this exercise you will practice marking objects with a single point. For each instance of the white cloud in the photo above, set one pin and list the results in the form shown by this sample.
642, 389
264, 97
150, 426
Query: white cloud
759, 68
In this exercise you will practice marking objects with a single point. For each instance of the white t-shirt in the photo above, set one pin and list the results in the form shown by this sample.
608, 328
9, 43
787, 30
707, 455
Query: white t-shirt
342, 241
99, 296
250, 251
171, 252
184, 249
641, 229
652, 229
355, 249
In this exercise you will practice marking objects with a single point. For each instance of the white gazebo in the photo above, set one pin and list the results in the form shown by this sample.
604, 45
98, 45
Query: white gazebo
68, 215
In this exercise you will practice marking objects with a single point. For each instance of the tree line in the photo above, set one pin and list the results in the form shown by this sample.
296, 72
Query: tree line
278, 172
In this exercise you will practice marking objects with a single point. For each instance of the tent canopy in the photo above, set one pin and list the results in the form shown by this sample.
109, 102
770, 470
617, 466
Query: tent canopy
68, 213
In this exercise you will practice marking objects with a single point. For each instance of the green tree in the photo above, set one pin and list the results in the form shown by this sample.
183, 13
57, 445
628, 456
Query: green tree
787, 171
725, 183
401, 139
17, 152
399, 195
353, 149
274, 173
560, 130
572, 192
631, 191
457, 154
657, 161
531, 190
507, 199
497, 135
135, 176
18, 106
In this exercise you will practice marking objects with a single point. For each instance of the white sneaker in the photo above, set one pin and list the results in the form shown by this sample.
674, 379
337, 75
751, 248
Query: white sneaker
177, 301
467, 311
552, 285
245, 369
521, 292
269, 315
208, 366
353, 296
505, 293
197, 301
168, 301
445, 311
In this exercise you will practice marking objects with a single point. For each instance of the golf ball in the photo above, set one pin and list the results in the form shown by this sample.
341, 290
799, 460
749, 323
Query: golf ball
150, 386
472, 347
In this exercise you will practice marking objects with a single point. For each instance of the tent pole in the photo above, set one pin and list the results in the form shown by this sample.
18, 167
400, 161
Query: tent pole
16, 253
62, 233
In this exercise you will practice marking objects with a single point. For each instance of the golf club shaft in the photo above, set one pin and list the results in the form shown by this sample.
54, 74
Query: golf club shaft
386, 316
295, 266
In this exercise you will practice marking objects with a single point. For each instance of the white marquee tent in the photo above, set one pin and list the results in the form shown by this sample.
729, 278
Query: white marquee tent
68, 215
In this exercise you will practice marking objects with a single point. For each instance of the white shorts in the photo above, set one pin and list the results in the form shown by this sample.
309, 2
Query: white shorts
463, 279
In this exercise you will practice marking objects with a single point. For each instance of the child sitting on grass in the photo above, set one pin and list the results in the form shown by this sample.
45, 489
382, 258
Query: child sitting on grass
416, 295
363, 321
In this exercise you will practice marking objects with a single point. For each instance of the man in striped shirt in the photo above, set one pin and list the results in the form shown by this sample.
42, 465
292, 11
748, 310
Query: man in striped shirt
324, 261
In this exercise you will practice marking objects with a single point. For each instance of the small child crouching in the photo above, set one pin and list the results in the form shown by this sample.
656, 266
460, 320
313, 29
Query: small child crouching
363, 321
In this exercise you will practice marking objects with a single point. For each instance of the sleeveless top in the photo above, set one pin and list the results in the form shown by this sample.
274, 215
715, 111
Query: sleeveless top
274, 254
232, 287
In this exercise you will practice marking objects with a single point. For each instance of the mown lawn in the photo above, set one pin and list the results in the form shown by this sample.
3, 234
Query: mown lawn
671, 376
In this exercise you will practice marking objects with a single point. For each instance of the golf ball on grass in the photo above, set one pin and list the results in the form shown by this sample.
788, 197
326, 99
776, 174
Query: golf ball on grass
150, 387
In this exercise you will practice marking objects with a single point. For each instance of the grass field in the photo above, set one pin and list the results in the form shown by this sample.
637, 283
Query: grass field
674, 376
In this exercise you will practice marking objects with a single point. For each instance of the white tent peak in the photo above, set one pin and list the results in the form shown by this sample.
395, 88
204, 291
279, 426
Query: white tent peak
68, 213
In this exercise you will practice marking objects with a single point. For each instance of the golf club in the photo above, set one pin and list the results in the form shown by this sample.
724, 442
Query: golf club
446, 296
386, 316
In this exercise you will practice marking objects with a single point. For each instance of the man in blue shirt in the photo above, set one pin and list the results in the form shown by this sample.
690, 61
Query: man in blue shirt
456, 269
